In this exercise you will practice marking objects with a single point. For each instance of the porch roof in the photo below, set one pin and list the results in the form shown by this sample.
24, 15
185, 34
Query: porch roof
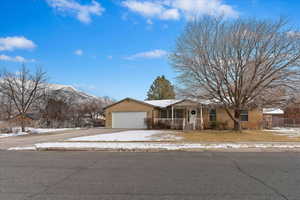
273, 111
173, 102
163, 103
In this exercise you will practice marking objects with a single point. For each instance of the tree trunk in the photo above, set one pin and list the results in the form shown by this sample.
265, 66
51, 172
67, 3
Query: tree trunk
23, 123
237, 122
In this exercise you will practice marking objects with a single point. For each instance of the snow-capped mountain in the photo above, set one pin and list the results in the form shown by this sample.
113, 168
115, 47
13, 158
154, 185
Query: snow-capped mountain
70, 92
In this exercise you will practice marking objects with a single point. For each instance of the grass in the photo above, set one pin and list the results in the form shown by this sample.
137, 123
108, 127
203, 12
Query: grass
232, 136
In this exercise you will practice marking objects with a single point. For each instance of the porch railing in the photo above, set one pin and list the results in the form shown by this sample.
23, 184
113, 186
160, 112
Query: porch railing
176, 123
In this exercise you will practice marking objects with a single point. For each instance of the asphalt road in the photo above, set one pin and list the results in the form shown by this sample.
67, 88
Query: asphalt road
144, 176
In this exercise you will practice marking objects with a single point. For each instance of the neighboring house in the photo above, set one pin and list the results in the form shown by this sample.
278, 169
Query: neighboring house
273, 117
176, 114
30, 119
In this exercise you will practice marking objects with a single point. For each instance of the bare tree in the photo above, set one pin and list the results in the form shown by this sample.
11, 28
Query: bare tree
23, 89
6, 108
240, 64
94, 109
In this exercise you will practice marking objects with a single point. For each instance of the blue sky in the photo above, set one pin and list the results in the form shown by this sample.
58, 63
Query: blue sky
111, 48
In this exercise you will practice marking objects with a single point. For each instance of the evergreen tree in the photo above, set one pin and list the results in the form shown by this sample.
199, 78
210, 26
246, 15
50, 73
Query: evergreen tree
161, 88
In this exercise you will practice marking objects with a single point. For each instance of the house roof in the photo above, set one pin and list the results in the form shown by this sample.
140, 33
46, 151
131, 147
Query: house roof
155, 103
32, 116
163, 103
130, 99
273, 111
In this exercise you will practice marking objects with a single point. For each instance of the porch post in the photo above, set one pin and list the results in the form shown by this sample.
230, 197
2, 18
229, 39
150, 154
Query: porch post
201, 118
172, 116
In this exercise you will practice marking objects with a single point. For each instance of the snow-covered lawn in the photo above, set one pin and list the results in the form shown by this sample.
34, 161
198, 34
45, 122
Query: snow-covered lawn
133, 136
291, 132
17, 131
150, 146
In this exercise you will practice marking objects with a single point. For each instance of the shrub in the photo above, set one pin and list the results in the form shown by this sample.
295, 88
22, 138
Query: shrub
217, 125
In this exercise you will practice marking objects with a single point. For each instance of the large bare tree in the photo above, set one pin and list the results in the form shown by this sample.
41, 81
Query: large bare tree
23, 89
239, 64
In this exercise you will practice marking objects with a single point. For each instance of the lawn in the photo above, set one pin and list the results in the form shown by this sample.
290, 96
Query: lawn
232, 136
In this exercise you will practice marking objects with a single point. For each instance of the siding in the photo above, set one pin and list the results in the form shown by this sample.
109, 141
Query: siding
255, 119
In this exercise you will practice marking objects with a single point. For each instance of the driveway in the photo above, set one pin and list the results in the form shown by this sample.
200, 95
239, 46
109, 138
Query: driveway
29, 140
149, 176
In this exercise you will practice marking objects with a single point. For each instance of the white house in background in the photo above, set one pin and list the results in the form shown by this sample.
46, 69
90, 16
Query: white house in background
273, 117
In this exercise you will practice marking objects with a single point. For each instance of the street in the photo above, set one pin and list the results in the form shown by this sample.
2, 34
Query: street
164, 175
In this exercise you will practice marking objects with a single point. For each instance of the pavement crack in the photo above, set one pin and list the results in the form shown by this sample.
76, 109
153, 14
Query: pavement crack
240, 169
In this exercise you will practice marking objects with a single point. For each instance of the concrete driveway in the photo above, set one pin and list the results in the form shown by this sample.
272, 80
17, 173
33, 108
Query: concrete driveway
29, 140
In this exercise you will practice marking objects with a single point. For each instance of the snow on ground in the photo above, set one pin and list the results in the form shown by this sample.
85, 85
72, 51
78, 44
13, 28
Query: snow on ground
22, 148
12, 134
17, 131
136, 135
291, 132
158, 146
47, 130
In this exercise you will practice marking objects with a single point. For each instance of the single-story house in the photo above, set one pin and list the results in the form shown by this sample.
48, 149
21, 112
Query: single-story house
29, 119
273, 117
176, 114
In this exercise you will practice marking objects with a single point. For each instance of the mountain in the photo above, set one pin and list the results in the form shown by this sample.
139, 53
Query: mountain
71, 93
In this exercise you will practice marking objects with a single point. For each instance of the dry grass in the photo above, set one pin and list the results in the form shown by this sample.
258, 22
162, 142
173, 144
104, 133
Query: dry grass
231, 136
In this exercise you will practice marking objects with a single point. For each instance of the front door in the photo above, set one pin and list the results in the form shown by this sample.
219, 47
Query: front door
193, 117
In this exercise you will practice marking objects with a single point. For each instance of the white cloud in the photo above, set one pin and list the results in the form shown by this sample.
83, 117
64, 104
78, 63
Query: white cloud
15, 59
150, 9
16, 42
170, 14
158, 53
78, 52
82, 12
175, 9
110, 57
203, 7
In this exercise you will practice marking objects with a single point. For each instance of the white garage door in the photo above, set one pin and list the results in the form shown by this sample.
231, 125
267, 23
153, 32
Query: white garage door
129, 120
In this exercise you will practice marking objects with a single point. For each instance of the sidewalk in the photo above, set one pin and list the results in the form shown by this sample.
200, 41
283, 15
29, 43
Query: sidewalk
162, 146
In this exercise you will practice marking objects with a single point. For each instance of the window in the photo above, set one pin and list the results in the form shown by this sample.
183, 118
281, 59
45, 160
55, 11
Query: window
179, 113
163, 114
212, 115
244, 115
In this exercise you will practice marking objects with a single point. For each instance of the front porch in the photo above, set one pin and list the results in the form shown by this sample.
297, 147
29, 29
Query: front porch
186, 115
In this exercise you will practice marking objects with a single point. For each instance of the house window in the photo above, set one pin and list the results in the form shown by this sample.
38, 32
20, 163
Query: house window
179, 113
163, 114
244, 116
212, 115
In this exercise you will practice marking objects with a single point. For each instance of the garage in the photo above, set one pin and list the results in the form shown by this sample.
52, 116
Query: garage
129, 120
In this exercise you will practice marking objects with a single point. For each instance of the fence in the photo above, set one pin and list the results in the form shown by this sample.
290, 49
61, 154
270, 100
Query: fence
282, 122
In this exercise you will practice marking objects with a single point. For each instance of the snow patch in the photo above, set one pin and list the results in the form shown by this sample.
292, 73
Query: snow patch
145, 146
12, 134
291, 132
17, 131
31, 148
138, 135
